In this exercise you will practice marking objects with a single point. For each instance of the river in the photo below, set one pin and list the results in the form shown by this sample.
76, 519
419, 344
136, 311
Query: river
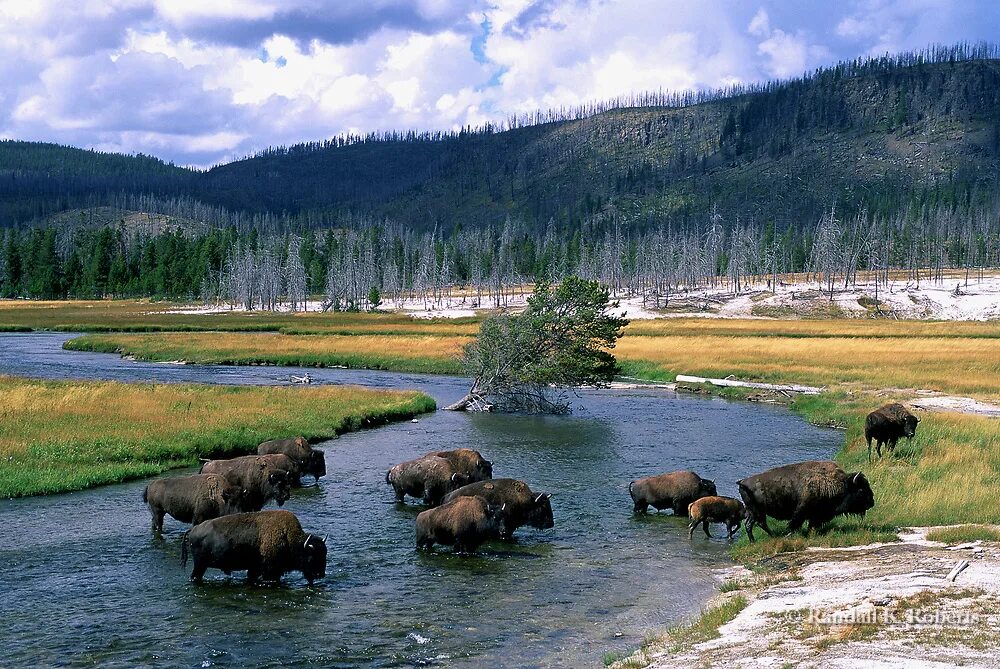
84, 582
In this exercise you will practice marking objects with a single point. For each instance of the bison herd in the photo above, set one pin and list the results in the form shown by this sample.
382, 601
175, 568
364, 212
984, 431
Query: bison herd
469, 507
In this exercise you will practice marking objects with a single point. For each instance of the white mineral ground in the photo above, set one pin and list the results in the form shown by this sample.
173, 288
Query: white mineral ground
905, 611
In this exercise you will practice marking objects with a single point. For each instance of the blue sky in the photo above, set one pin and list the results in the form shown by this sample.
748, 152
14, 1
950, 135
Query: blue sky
205, 81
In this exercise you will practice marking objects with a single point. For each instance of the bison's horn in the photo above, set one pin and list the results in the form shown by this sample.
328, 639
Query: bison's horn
324, 537
503, 506
306, 544
856, 476
539, 498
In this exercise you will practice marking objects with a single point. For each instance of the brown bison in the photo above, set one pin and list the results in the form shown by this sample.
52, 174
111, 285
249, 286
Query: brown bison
886, 425
521, 505
265, 544
669, 491
193, 499
306, 458
467, 461
263, 477
464, 522
714, 509
813, 492
429, 478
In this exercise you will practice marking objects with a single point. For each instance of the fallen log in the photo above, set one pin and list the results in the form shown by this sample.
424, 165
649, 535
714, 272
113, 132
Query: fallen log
733, 383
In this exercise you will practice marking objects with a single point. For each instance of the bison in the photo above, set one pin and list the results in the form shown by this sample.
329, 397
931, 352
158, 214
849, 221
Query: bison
521, 505
886, 425
429, 478
265, 544
264, 477
714, 509
675, 490
467, 461
813, 492
465, 522
193, 499
306, 458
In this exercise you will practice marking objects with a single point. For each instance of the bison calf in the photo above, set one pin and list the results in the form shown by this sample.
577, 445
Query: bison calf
675, 490
192, 499
714, 509
520, 505
464, 522
429, 478
886, 425
307, 459
265, 544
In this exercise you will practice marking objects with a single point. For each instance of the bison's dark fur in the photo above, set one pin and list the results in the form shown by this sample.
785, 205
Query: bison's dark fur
520, 505
714, 509
192, 499
467, 461
886, 425
429, 478
813, 492
464, 522
675, 490
265, 544
306, 458
263, 477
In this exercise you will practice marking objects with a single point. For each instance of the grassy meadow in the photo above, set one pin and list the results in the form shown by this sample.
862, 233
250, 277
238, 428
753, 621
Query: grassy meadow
57, 436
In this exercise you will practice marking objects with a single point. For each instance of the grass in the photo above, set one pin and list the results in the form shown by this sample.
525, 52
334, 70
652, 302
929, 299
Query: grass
68, 435
961, 534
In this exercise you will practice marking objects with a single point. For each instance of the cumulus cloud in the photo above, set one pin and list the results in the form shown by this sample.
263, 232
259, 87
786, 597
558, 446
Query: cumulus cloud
203, 81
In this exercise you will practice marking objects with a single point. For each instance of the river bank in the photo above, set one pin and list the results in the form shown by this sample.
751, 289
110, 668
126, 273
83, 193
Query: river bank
877, 605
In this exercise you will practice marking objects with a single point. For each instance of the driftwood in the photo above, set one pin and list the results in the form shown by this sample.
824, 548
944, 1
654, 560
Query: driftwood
471, 402
733, 383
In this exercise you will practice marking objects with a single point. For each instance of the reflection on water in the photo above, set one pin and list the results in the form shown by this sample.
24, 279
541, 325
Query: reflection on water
84, 582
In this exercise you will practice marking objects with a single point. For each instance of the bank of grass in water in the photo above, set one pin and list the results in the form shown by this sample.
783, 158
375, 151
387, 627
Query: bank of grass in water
422, 353
59, 436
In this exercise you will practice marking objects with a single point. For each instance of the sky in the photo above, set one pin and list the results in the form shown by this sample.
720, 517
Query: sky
199, 82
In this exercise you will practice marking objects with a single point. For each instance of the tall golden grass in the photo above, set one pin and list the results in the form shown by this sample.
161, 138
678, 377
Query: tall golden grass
58, 436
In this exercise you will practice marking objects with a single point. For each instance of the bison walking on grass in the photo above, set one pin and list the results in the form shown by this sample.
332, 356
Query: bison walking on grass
263, 477
467, 461
193, 499
307, 459
886, 425
714, 509
464, 522
675, 490
429, 478
265, 544
521, 505
813, 492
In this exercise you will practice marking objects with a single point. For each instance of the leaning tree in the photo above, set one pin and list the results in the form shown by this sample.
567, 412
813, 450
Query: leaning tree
528, 362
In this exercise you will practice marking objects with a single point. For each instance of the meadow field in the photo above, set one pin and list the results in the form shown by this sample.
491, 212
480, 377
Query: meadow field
947, 475
57, 436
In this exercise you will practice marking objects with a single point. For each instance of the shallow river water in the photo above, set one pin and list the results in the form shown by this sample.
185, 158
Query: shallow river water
83, 581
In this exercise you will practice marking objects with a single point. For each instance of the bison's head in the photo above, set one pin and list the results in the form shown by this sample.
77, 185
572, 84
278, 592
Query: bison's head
910, 426
496, 518
317, 464
312, 558
484, 470
540, 515
281, 484
707, 488
859, 496
459, 479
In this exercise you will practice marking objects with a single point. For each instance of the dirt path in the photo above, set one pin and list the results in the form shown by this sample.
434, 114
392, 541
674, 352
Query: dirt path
957, 405
884, 605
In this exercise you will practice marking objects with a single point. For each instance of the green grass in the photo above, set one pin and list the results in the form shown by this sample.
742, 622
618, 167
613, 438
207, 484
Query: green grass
69, 435
961, 534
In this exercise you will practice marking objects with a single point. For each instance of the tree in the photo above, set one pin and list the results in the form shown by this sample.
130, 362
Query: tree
527, 362
374, 298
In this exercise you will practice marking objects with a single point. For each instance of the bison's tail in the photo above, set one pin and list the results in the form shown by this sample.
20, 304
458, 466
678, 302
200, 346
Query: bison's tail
689, 509
745, 493
387, 479
184, 549
630, 484
144, 491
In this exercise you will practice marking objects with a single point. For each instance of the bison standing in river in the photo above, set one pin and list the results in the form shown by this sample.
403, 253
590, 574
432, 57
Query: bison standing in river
266, 544
714, 509
520, 505
307, 459
467, 461
886, 425
264, 477
464, 522
429, 478
675, 490
813, 492
193, 499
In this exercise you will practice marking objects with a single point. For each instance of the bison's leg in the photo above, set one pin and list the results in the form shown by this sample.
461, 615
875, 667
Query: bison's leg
762, 521
891, 445
732, 529
200, 566
640, 507
691, 526
795, 524
252, 576
705, 524
749, 523
869, 440
157, 514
